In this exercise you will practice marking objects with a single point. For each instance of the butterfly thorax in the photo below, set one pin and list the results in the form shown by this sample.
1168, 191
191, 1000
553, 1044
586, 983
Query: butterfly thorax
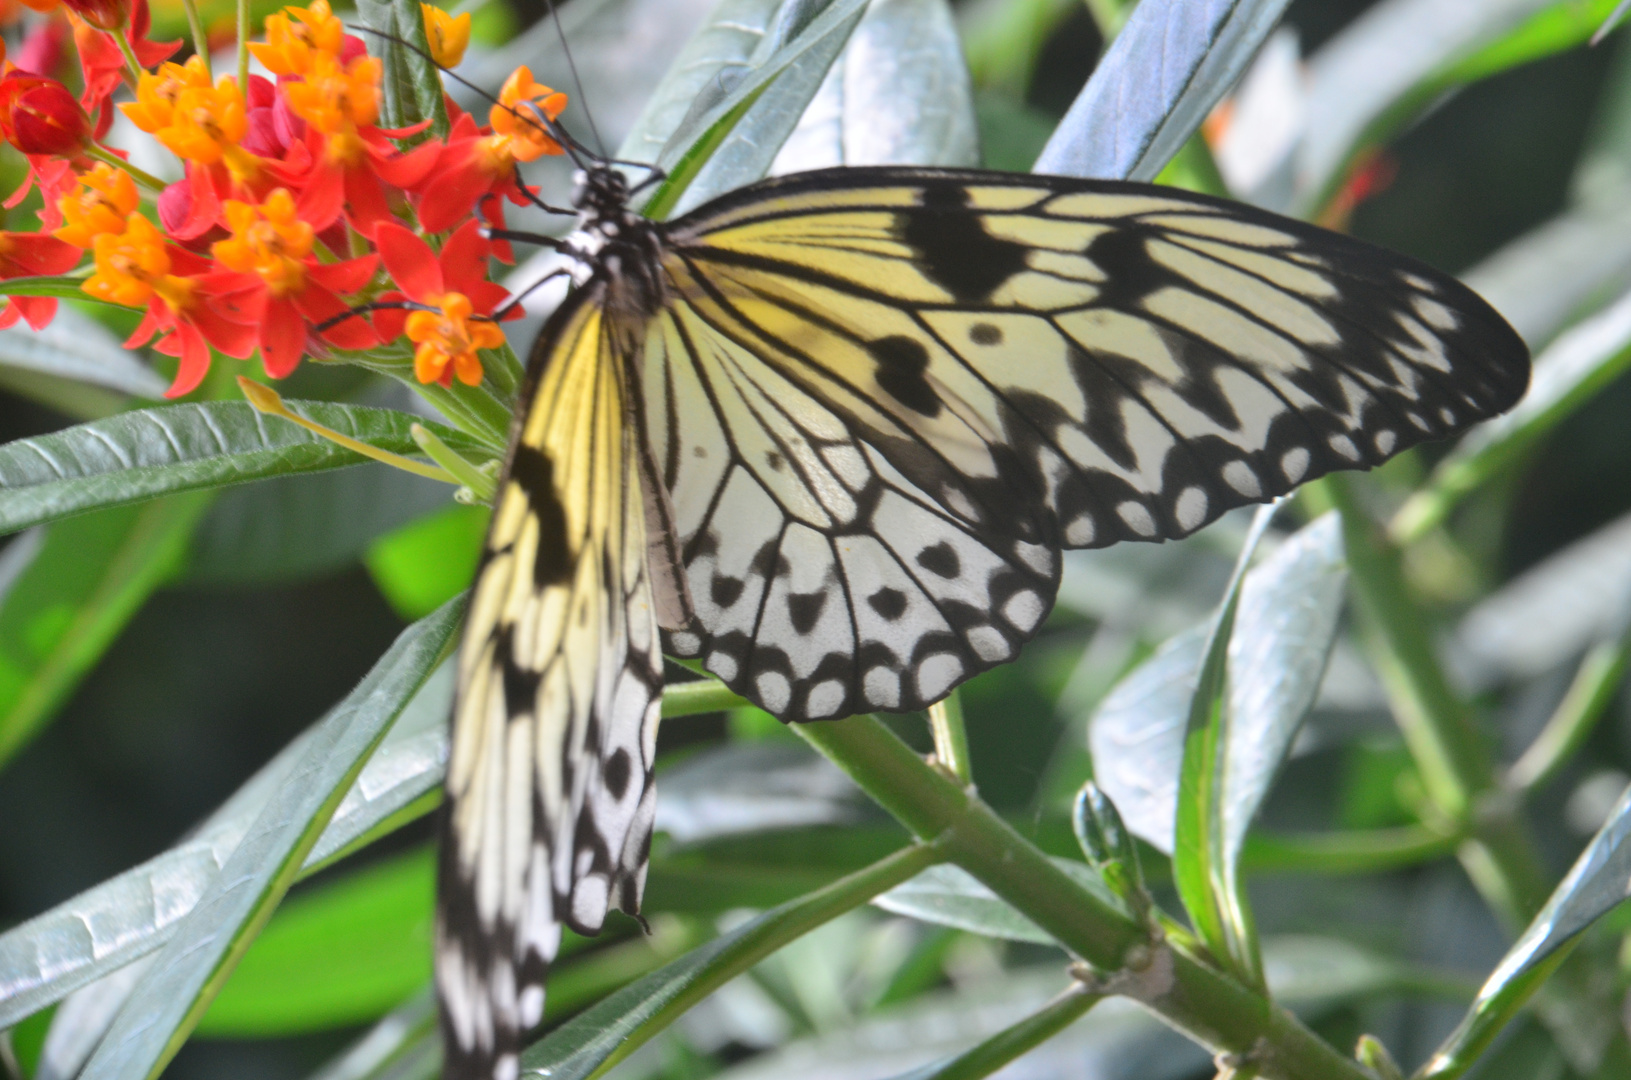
614, 243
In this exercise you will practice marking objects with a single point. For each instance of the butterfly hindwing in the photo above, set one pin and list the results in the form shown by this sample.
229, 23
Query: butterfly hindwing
898, 392
550, 793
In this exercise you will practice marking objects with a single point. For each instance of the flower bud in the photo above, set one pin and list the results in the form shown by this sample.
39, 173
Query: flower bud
111, 15
42, 116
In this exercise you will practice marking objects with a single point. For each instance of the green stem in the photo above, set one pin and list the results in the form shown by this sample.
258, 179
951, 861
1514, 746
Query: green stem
951, 737
1452, 755
1194, 997
145, 179
702, 696
778, 927
245, 31
465, 472
1594, 688
1005, 1046
201, 41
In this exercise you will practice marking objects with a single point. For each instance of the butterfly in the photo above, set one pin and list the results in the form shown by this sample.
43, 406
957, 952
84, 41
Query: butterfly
829, 435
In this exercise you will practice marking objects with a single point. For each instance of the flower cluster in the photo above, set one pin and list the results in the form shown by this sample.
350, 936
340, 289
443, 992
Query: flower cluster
299, 225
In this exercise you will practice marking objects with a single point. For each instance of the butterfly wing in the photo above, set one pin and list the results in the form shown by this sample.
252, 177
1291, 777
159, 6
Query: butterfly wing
550, 797
884, 399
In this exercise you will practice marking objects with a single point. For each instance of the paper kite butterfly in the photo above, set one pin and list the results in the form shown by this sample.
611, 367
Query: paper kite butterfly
829, 434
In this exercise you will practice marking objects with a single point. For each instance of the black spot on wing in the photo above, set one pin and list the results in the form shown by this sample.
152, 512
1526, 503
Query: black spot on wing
1132, 274
725, 590
952, 248
618, 773
903, 364
890, 603
985, 334
940, 559
520, 685
804, 609
534, 473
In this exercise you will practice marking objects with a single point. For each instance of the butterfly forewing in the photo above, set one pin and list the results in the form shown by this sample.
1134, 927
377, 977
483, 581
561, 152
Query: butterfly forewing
894, 394
550, 795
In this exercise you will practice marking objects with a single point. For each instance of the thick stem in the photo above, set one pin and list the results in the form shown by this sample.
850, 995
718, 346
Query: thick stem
1453, 756
1211, 1007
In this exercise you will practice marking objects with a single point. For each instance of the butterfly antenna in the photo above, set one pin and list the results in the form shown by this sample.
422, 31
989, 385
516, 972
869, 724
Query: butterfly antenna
574, 149
577, 80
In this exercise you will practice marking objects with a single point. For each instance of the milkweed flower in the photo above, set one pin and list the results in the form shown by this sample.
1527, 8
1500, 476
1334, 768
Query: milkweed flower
137, 268
104, 202
476, 164
281, 286
453, 283
447, 36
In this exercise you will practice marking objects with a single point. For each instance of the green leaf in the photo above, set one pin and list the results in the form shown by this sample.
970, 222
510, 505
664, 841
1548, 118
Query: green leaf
135, 913
1595, 885
188, 973
950, 896
745, 154
1172, 61
609, 1031
77, 348
898, 94
1566, 376
428, 561
294, 527
70, 588
340, 955
412, 84
709, 126
176, 448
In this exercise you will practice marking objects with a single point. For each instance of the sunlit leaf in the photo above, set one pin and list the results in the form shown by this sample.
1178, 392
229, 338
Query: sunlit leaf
1172, 61
176, 448
188, 973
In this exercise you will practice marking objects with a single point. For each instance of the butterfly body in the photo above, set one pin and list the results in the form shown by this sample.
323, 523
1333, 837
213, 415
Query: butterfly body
830, 434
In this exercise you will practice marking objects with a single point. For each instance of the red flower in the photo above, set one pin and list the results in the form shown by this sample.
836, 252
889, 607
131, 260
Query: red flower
455, 283
276, 285
33, 255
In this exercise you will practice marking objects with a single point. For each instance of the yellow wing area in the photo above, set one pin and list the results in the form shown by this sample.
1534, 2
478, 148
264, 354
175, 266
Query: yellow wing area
549, 786
884, 399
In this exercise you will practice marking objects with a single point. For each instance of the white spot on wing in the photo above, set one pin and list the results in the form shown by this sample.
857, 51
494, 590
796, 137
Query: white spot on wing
1294, 464
1137, 517
1190, 509
1243, 478
774, 690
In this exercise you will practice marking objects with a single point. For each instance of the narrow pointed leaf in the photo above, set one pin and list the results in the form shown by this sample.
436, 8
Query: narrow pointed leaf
134, 914
76, 347
186, 975
746, 154
1136, 735
1172, 61
625, 1020
175, 448
402, 1045
899, 94
950, 896
1599, 880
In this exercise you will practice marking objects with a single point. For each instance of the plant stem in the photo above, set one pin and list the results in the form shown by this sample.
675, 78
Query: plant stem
702, 696
201, 41
1453, 756
1194, 997
1005, 1046
245, 32
778, 927
951, 737
1595, 685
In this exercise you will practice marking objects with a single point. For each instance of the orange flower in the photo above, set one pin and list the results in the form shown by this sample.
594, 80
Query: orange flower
336, 99
448, 36
205, 124
298, 35
158, 91
133, 266
104, 202
474, 165
269, 241
455, 284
